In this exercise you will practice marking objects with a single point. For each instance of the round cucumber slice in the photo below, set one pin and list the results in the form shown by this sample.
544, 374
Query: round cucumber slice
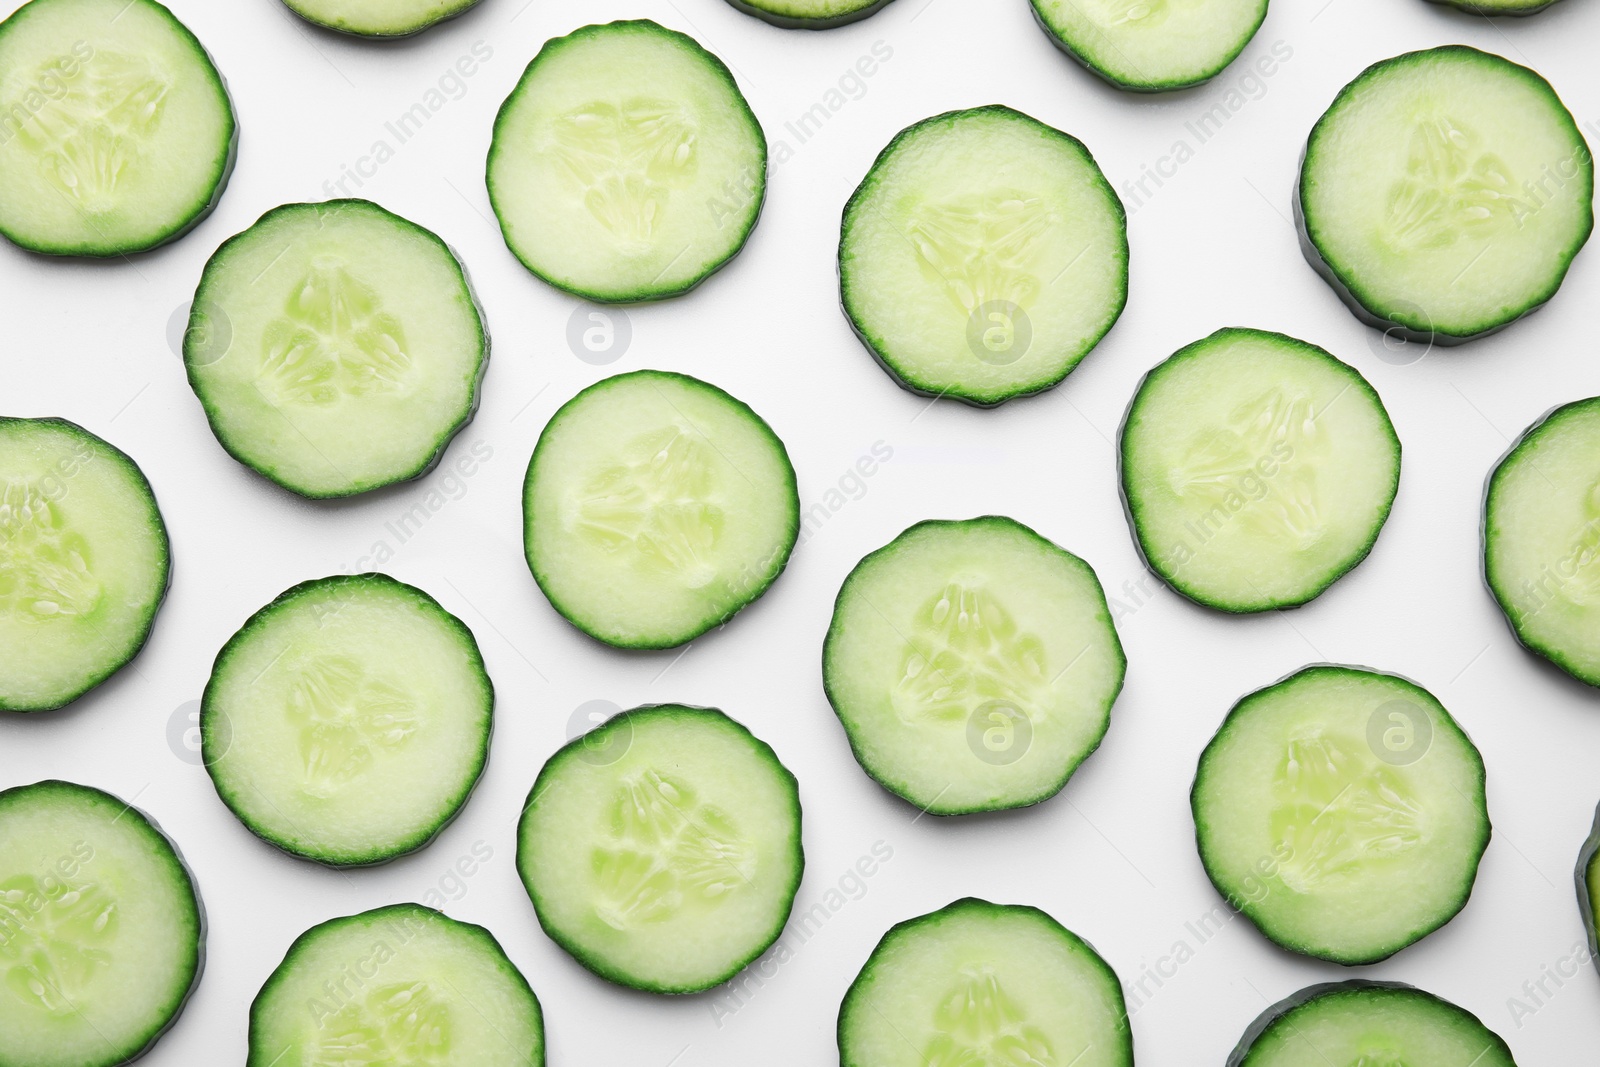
348, 721
84, 562
102, 935
982, 983
656, 506
1342, 812
973, 665
1152, 45
626, 165
335, 347
810, 14
1499, 7
1257, 470
983, 256
1369, 1023
398, 985
1444, 193
662, 849
378, 18
116, 132
1541, 538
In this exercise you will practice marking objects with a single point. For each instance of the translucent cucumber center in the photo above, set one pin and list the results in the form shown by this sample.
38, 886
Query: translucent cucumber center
44, 565
54, 936
987, 247
1582, 559
966, 650
978, 1025
1452, 188
655, 505
628, 158
346, 721
1378, 1058
334, 339
1114, 13
667, 854
400, 1025
1335, 811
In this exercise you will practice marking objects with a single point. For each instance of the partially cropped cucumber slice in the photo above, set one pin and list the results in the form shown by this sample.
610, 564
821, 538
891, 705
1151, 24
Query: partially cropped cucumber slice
981, 983
102, 936
335, 347
348, 721
1444, 193
116, 132
84, 562
1257, 470
1152, 45
656, 506
397, 985
1499, 7
973, 665
662, 849
1342, 812
983, 256
1588, 878
626, 165
809, 14
378, 18
1541, 538
1369, 1024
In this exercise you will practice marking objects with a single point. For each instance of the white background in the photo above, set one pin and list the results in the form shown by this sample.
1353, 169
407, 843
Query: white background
1113, 856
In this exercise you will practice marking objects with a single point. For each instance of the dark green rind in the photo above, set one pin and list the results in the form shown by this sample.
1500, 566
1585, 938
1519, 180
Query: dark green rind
546, 780
780, 560
1369, 308
1281, 1013
223, 170
1058, 38
1132, 512
179, 866
1492, 9
1490, 536
197, 328
791, 22
908, 380
634, 296
463, 7
834, 633
909, 926
1586, 870
491, 946
1249, 910
210, 742
132, 470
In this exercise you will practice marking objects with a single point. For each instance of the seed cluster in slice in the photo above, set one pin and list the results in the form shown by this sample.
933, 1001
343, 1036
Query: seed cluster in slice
809, 14
1152, 45
378, 18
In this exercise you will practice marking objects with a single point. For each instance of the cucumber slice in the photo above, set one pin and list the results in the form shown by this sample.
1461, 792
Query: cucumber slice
1499, 7
378, 18
626, 165
1257, 470
398, 985
983, 256
84, 562
116, 131
982, 983
1541, 538
348, 721
102, 935
656, 506
1342, 812
1369, 1024
1152, 45
335, 347
810, 14
1444, 193
973, 665
662, 848
1587, 876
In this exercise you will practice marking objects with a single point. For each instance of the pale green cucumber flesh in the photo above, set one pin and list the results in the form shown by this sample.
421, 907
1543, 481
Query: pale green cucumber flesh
1257, 470
402, 984
973, 665
656, 506
982, 983
1342, 812
1152, 45
335, 347
84, 562
101, 930
378, 18
1444, 193
810, 14
662, 849
348, 721
626, 165
983, 256
116, 131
